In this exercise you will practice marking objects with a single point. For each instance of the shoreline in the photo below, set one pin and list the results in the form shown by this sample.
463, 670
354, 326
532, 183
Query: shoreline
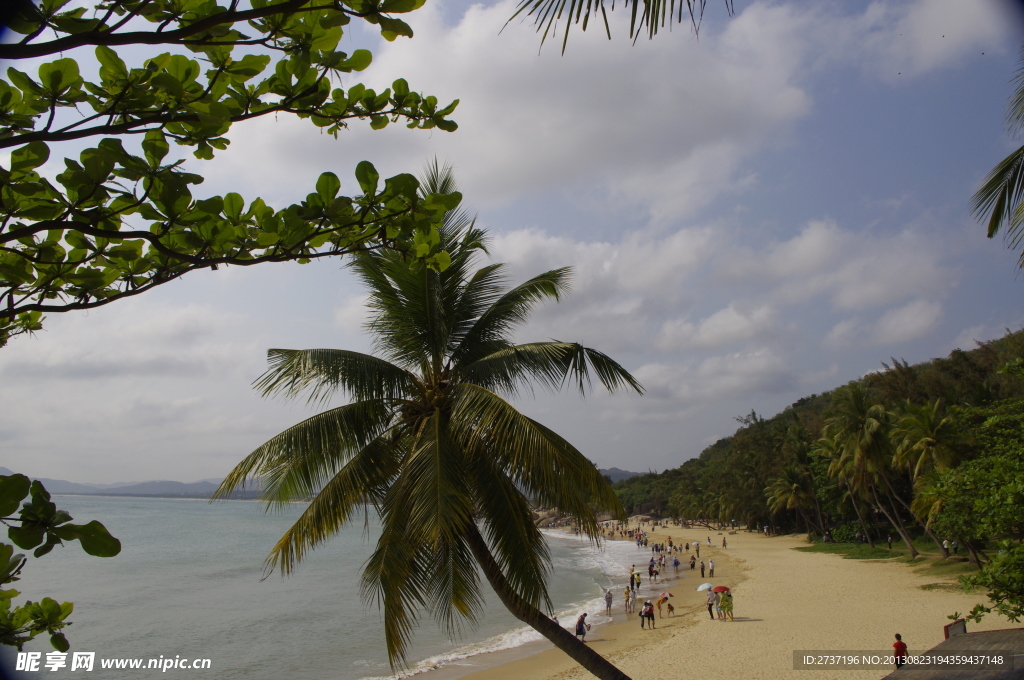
611, 637
788, 600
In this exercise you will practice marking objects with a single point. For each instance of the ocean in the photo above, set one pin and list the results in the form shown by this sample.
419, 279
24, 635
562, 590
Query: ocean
187, 586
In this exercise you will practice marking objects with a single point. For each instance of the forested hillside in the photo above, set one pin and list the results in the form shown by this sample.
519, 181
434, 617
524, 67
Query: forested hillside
930, 450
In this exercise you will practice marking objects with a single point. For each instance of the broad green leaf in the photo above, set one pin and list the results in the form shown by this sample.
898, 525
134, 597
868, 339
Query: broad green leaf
13, 490
394, 28
59, 642
26, 538
29, 157
327, 186
359, 60
112, 66
94, 537
233, 206
401, 6
367, 176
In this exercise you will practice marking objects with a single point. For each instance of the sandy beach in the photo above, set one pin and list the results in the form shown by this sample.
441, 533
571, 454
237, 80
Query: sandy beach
785, 600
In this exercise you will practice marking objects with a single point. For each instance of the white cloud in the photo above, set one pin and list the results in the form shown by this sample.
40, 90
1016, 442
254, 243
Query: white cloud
908, 322
674, 389
856, 270
350, 317
727, 326
150, 339
927, 34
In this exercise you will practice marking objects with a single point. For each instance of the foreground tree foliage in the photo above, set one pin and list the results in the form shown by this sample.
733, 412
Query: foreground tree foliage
121, 218
40, 525
430, 441
998, 201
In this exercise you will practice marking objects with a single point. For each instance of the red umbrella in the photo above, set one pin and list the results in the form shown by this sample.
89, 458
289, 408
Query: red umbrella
719, 589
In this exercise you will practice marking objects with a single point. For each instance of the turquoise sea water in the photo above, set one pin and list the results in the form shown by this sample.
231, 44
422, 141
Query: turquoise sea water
187, 583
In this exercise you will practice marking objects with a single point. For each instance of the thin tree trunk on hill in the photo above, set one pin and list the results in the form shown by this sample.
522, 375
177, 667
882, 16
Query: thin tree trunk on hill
536, 619
924, 525
863, 524
931, 535
895, 521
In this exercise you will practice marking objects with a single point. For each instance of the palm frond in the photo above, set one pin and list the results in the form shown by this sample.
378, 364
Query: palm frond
537, 459
395, 578
439, 501
322, 372
517, 544
1015, 110
999, 198
496, 316
550, 364
363, 480
296, 463
655, 14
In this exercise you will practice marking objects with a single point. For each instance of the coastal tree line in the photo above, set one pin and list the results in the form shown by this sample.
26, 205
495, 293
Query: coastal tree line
928, 452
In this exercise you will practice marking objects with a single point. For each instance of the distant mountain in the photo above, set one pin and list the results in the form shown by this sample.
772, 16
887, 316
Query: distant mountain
617, 475
159, 488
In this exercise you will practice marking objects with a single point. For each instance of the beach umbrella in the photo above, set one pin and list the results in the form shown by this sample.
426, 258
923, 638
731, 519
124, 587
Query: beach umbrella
705, 586
666, 595
719, 589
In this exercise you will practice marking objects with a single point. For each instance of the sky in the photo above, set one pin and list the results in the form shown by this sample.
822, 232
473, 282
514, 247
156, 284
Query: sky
761, 212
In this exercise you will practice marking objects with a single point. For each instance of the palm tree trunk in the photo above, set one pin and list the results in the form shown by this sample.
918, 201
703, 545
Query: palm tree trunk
931, 535
924, 525
895, 521
860, 517
821, 520
972, 554
536, 619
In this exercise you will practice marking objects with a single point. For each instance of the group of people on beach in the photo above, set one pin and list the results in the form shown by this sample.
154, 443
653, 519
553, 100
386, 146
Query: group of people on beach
720, 605
665, 553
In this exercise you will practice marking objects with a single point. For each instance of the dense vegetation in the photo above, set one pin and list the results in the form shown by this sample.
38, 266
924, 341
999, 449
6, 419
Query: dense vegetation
933, 450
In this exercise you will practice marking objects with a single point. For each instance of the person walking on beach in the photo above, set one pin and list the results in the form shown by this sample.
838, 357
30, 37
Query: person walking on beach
723, 542
608, 602
647, 613
900, 650
693, 562
712, 601
675, 565
711, 568
702, 568
696, 547
632, 601
625, 595
727, 605
660, 602
581, 627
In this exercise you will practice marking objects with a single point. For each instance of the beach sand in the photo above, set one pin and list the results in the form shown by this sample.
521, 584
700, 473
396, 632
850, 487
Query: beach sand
785, 600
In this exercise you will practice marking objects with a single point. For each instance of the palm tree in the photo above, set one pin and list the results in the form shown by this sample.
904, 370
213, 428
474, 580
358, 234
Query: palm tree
849, 479
430, 442
924, 443
861, 429
793, 489
924, 438
999, 199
